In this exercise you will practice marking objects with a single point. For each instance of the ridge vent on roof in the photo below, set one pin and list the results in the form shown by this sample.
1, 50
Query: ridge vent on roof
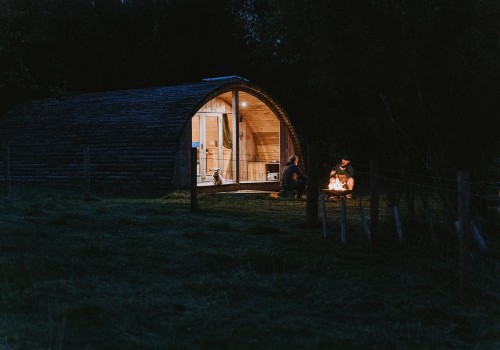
227, 77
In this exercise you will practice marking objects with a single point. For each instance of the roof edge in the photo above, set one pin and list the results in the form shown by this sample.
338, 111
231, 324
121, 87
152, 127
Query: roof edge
227, 77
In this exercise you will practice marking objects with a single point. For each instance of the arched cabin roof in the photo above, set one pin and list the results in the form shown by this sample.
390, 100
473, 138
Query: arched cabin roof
136, 120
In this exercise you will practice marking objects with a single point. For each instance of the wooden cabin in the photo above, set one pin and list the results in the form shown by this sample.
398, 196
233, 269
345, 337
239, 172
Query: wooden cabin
143, 137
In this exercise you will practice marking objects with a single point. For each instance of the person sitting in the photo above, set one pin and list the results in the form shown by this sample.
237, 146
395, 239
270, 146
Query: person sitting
292, 179
344, 172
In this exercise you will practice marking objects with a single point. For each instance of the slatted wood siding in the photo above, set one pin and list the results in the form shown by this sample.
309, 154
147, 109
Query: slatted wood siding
136, 137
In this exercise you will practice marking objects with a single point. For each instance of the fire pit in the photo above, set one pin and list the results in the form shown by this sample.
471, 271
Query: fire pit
336, 188
338, 193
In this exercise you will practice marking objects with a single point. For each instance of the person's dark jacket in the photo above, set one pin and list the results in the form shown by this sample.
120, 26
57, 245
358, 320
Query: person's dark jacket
291, 176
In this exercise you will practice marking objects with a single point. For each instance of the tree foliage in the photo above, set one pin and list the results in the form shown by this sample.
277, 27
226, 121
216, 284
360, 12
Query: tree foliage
414, 84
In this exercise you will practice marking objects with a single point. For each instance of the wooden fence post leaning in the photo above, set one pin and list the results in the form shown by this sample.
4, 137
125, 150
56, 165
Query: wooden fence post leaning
464, 233
194, 182
478, 236
374, 209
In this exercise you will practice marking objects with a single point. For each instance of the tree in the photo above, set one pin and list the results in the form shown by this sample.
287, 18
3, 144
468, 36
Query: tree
405, 82
58, 47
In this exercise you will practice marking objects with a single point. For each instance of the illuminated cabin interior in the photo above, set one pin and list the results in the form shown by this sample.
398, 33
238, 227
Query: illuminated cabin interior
257, 156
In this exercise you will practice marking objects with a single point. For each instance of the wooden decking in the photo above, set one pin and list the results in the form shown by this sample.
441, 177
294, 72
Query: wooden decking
268, 186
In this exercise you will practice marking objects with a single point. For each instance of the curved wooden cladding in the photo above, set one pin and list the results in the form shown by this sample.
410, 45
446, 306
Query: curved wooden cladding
139, 136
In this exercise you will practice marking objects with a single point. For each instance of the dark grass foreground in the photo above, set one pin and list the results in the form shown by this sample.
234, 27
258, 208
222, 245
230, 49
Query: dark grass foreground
135, 273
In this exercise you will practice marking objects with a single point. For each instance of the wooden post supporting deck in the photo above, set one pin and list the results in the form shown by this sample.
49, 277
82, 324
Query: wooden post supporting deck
194, 182
312, 185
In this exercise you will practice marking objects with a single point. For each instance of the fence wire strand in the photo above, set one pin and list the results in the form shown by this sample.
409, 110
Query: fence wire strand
428, 224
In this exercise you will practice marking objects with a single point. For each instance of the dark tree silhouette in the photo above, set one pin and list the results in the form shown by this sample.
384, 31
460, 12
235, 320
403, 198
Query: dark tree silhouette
412, 84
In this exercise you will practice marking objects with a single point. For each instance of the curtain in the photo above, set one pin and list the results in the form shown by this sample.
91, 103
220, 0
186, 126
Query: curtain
227, 142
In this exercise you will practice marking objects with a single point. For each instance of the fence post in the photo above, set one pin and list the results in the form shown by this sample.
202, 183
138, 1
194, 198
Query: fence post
7, 173
464, 233
477, 236
343, 221
430, 224
194, 183
312, 185
364, 223
323, 215
399, 225
498, 206
374, 209
86, 170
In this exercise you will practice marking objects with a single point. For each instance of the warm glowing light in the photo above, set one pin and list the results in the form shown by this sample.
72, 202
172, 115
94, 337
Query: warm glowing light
336, 185
243, 104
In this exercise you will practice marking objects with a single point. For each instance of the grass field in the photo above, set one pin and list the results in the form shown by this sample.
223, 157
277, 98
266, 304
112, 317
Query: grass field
147, 273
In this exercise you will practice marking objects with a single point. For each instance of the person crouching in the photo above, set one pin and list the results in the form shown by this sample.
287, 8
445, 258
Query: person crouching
292, 179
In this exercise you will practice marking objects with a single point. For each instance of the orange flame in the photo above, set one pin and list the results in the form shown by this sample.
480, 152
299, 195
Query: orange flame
336, 185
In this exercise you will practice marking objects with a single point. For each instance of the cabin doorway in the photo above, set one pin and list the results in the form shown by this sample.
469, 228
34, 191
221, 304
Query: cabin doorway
213, 153
256, 143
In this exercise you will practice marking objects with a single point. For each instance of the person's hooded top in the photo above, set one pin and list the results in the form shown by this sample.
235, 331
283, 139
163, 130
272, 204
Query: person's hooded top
291, 174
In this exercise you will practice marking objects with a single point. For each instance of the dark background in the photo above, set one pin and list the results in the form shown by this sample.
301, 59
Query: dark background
412, 84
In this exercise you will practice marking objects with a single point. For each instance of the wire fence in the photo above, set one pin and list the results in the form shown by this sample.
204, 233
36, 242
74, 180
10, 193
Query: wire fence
418, 215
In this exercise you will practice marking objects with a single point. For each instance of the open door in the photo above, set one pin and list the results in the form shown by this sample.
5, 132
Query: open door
262, 144
213, 151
